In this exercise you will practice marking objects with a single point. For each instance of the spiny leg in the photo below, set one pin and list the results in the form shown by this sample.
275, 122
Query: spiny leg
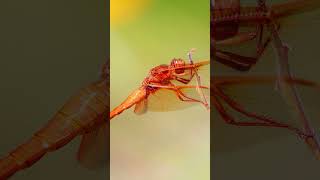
230, 120
310, 140
235, 61
269, 121
284, 73
204, 103
239, 62
179, 93
185, 80
198, 80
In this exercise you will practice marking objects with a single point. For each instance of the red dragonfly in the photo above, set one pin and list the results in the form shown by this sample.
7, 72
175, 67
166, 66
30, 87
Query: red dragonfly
83, 114
161, 90
229, 16
226, 103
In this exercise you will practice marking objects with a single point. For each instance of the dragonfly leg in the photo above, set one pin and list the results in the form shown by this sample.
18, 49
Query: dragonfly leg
199, 88
198, 80
260, 120
230, 120
179, 93
183, 97
185, 80
261, 46
172, 86
239, 62
235, 61
239, 38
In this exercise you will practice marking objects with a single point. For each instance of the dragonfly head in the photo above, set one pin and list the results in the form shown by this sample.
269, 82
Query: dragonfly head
176, 63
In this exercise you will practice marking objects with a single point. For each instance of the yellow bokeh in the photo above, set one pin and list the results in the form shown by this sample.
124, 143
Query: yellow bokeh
124, 10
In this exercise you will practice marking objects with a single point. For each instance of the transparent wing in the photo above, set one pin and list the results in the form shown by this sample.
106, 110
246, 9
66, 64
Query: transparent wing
94, 148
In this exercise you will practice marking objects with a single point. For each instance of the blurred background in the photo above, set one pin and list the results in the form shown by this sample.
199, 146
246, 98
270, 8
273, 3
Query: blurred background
269, 153
157, 145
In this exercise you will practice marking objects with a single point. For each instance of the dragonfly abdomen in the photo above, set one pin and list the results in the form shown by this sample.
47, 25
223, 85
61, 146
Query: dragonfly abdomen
82, 113
135, 97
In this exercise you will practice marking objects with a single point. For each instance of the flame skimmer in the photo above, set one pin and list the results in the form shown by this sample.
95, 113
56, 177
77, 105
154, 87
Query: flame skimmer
165, 78
228, 17
83, 114
223, 103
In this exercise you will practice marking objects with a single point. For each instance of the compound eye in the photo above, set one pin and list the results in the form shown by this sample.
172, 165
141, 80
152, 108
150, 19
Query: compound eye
173, 62
179, 64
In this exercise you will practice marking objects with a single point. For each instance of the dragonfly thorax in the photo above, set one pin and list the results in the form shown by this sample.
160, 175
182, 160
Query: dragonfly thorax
159, 75
161, 70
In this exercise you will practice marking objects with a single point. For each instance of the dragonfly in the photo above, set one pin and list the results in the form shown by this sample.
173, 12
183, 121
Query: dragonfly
167, 87
84, 114
222, 88
229, 16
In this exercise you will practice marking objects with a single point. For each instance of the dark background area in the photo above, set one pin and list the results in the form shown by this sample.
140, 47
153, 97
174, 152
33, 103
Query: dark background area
48, 51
